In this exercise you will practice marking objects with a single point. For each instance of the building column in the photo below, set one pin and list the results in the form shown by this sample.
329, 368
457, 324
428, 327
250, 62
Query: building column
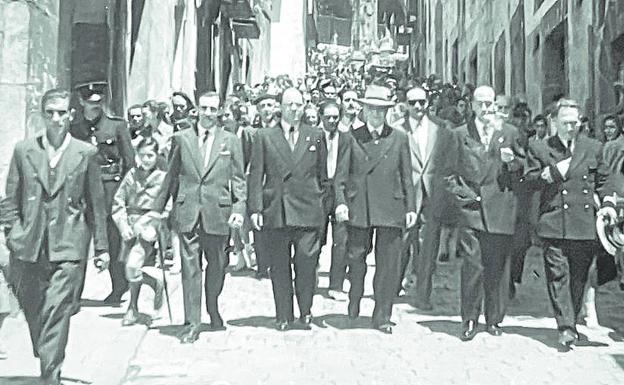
28, 67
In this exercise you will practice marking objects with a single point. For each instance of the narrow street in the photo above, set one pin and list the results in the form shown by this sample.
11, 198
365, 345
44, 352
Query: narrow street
424, 349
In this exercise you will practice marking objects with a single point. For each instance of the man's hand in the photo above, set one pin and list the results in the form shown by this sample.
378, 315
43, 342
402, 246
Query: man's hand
236, 221
410, 219
546, 175
608, 213
342, 213
102, 261
126, 233
507, 155
257, 221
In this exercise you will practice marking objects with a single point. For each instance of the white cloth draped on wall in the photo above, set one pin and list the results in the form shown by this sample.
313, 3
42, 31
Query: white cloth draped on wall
151, 73
185, 59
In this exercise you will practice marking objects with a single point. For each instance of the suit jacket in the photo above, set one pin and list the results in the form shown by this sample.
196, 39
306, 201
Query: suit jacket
486, 188
613, 154
208, 194
432, 170
63, 208
115, 152
247, 138
374, 178
285, 185
567, 207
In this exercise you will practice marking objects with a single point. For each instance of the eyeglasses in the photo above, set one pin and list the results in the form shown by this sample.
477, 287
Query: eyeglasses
421, 102
331, 117
208, 108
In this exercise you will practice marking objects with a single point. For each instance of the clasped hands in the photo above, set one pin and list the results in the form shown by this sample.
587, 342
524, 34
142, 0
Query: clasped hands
342, 215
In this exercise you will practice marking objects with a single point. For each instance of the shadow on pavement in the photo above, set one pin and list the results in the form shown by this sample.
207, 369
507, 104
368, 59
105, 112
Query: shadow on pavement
545, 336
144, 319
619, 359
342, 322
96, 303
254, 321
25, 380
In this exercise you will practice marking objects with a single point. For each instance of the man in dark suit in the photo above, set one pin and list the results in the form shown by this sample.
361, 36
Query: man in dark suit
287, 171
115, 156
374, 191
492, 159
433, 161
206, 180
267, 107
54, 186
333, 139
568, 170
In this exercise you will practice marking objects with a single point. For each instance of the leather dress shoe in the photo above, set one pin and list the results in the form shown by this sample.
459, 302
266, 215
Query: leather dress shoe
190, 335
494, 330
385, 328
469, 330
306, 319
262, 275
113, 298
130, 318
282, 326
567, 337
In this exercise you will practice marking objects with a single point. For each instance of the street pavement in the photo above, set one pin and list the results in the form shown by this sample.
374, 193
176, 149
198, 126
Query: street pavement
424, 349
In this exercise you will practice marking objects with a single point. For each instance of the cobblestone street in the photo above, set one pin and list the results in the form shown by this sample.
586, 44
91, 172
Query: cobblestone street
424, 348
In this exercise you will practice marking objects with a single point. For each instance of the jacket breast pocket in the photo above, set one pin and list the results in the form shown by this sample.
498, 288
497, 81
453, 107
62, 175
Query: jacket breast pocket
224, 202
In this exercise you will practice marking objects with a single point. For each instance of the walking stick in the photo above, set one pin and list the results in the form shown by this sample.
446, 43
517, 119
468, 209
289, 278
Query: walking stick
161, 257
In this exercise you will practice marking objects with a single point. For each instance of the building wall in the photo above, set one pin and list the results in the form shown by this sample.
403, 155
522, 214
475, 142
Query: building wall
28, 66
486, 22
288, 37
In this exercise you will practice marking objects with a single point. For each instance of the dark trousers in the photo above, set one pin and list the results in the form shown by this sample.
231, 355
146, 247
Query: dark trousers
388, 245
567, 266
521, 244
422, 243
116, 268
305, 241
192, 246
45, 291
485, 274
263, 255
338, 267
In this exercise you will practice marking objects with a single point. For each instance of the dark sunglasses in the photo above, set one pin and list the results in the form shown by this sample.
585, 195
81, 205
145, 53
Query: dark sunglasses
420, 102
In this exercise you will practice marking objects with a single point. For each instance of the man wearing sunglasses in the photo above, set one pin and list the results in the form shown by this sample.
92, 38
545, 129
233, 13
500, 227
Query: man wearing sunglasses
116, 157
434, 156
54, 183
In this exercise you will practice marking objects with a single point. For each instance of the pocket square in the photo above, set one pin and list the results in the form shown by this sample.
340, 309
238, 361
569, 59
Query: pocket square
225, 153
312, 148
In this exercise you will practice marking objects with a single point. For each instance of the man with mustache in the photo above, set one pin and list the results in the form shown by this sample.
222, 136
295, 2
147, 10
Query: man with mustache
350, 109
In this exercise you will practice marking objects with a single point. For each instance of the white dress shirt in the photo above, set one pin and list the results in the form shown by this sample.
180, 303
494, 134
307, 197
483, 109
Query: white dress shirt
206, 146
286, 130
55, 154
485, 136
332, 154
564, 165
420, 133
372, 129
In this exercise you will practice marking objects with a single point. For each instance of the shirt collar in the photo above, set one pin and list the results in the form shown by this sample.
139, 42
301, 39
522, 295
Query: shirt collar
286, 127
49, 148
371, 129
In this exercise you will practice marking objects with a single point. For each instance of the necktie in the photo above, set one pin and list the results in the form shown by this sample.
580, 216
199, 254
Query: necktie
205, 145
291, 138
375, 135
569, 149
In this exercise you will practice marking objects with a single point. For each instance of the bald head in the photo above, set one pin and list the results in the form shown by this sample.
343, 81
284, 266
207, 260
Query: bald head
483, 103
292, 106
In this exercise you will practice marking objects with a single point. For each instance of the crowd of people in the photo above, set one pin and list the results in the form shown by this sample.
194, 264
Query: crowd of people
414, 169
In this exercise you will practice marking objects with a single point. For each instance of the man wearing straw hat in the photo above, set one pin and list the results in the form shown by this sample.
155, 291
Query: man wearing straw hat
374, 191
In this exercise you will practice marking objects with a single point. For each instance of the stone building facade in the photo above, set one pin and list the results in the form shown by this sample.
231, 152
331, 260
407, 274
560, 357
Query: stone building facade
540, 48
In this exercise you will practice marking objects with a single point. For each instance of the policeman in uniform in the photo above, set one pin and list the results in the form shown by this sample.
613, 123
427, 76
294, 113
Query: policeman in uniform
115, 157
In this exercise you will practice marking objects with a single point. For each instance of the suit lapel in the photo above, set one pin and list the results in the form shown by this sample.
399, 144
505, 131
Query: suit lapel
70, 159
386, 141
190, 138
215, 150
432, 136
279, 141
39, 160
578, 155
302, 145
